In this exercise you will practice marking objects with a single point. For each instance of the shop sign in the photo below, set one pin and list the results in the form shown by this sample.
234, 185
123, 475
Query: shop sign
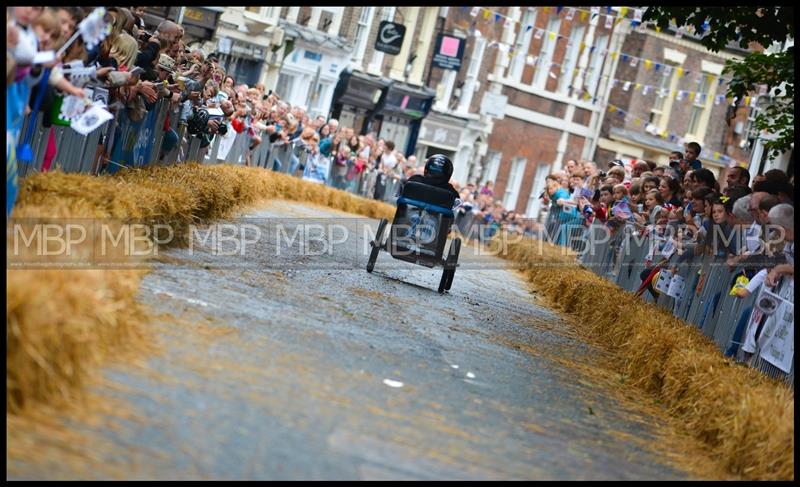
200, 17
449, 51
390, 37
438, 134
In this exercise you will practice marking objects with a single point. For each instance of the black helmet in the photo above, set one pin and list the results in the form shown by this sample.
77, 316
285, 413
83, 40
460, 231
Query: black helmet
198, 122
439, 166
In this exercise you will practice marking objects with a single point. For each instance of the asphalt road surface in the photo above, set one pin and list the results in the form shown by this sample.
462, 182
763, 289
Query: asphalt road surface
280, 365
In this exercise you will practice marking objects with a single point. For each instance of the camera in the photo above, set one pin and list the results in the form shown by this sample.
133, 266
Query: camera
602, 174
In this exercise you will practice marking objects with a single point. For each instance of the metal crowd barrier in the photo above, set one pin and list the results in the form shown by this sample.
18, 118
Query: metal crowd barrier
706, 301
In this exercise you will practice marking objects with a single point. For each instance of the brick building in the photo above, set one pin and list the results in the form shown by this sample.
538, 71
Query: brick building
547, 72
385, 93
682, 101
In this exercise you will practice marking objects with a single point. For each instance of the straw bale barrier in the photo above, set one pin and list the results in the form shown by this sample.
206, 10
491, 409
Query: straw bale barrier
61, 323
744, 418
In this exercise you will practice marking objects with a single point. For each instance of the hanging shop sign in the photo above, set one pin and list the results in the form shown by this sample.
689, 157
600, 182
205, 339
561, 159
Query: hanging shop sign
449, 51
390, 37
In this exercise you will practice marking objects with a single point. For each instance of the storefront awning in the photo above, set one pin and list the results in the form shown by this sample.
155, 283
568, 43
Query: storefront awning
408, 101
360, 89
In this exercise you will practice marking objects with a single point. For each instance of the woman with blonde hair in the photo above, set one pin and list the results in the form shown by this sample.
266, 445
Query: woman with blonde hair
124, 50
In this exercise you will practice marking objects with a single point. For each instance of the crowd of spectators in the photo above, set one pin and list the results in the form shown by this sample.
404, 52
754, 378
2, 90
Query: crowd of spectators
140, 68
742, 222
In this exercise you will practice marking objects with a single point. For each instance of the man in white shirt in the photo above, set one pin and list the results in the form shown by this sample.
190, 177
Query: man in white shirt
389, 159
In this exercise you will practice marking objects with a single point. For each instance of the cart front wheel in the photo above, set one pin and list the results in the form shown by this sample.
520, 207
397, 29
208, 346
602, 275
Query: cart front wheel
376, 244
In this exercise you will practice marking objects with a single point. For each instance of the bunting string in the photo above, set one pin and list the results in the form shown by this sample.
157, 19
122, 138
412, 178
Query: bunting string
663, 134
650, 64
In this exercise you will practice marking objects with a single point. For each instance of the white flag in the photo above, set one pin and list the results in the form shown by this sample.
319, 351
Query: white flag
570, 13
717, 99
609, 21
73, 107
529, 60
646, 90
538, 34
626, 86
474, 12
667, 70
634, 62
94, 28
679, 97
91, 119
637, 14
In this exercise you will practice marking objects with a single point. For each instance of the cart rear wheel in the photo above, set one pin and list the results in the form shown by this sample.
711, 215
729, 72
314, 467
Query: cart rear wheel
443, 281
376, 244
455, 251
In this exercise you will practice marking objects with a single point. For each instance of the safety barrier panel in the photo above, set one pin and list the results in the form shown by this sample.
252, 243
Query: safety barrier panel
705, 299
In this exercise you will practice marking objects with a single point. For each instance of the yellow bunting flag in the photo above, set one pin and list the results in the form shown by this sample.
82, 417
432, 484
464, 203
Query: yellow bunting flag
747, 101
552, 36
638, 85
637, 121
547, 10
716, 155
710, 78
611, 108
680, 72
691, 95
583, 44
648, 64
674, 93
487, 14
614, 55
583, 16
658, 29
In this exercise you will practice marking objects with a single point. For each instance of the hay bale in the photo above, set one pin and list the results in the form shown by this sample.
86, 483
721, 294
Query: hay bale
745, 419
61, 324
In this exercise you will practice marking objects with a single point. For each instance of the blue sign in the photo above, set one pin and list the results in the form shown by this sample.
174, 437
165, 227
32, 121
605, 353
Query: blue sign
314, 56
134, 146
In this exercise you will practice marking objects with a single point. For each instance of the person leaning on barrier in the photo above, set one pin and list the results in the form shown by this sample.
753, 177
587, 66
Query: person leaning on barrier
757, 236
776, 268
